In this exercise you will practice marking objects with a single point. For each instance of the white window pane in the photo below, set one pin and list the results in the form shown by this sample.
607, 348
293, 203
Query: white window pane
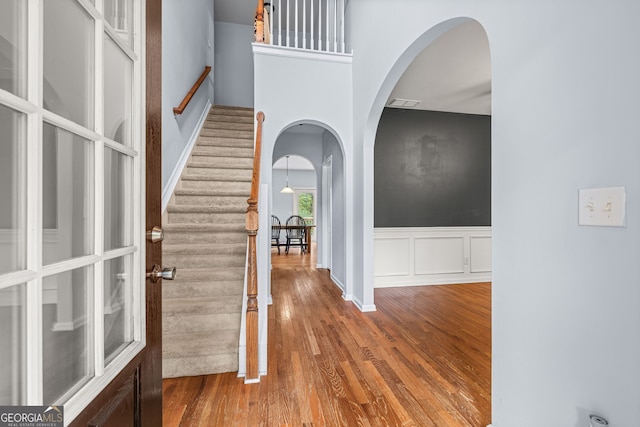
117, 200
69, 61
12, 334
13, 55
67, 203
119, 14
117, 93
67, 333
118, 327
12, 190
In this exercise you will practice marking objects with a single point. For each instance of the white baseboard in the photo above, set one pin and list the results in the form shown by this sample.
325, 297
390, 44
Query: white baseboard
336, 281
365, 308
170, 187
432, 280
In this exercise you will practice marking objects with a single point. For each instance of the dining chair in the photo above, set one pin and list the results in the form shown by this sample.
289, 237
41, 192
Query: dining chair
296, 234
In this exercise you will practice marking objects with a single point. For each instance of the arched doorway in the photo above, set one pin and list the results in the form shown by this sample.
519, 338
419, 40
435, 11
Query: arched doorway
318, 144
429, 56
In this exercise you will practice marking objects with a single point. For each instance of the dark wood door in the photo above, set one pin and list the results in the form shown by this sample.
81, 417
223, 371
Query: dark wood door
134, 397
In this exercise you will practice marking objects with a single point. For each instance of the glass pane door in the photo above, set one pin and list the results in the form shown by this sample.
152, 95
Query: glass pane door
71, 282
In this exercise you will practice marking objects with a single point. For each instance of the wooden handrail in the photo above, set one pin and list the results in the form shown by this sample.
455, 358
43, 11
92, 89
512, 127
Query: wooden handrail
178, 110
252, 267
260, 22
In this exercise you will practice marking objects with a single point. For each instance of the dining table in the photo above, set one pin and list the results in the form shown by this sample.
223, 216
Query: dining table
307, 232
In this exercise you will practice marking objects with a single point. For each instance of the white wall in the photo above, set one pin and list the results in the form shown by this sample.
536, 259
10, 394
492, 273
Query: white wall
338, 226
187, 47
303, 102
566, 323
234, 64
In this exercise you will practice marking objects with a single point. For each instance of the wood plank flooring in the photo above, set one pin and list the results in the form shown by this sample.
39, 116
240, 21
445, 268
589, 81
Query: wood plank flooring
423, 359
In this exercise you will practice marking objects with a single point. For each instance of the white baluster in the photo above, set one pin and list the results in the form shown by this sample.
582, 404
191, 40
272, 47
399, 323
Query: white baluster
116, 15
296, 35
319, 24
279, 22
326, 43
288, 28
304, 24
342, 38
311, 35
271, 6
335, 25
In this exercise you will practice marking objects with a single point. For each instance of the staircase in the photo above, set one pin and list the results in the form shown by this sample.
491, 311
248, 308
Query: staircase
206, 240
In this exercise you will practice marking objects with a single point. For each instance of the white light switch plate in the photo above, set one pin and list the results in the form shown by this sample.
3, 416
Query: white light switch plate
602, 207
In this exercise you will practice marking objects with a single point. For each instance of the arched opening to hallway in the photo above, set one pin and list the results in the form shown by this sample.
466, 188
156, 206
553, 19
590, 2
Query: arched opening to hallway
293, 195
318, 179
431, 195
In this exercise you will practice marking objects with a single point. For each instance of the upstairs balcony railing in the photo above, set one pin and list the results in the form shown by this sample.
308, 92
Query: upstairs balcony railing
316, 25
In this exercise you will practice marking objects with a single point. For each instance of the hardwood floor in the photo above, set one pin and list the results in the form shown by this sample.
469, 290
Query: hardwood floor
423, 359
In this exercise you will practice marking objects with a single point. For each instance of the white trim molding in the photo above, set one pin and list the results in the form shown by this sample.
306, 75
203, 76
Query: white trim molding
365, 308
413, 256
291, 52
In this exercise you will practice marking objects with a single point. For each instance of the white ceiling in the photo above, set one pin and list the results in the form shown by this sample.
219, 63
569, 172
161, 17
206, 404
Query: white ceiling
452, 74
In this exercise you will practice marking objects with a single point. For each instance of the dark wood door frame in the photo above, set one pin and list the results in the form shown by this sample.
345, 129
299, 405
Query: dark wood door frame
134, 397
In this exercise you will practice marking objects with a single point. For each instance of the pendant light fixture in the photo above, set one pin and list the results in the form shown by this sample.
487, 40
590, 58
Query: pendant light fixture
287, 189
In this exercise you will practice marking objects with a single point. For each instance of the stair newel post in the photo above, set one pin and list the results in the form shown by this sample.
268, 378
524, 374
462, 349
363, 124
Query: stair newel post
260, 22
252, 267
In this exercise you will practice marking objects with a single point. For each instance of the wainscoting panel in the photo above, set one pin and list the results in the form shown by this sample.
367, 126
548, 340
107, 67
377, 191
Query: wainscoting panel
415, 256
438, 255
480, 254
392, 257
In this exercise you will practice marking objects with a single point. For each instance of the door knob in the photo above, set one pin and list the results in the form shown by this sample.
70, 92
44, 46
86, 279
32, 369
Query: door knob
156, 273
155, 235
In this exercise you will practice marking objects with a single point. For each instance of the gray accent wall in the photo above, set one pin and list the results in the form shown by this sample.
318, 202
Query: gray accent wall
187, 47
432, 169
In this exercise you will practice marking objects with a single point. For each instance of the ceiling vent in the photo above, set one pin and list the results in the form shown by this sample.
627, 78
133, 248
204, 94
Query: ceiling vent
397, 102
